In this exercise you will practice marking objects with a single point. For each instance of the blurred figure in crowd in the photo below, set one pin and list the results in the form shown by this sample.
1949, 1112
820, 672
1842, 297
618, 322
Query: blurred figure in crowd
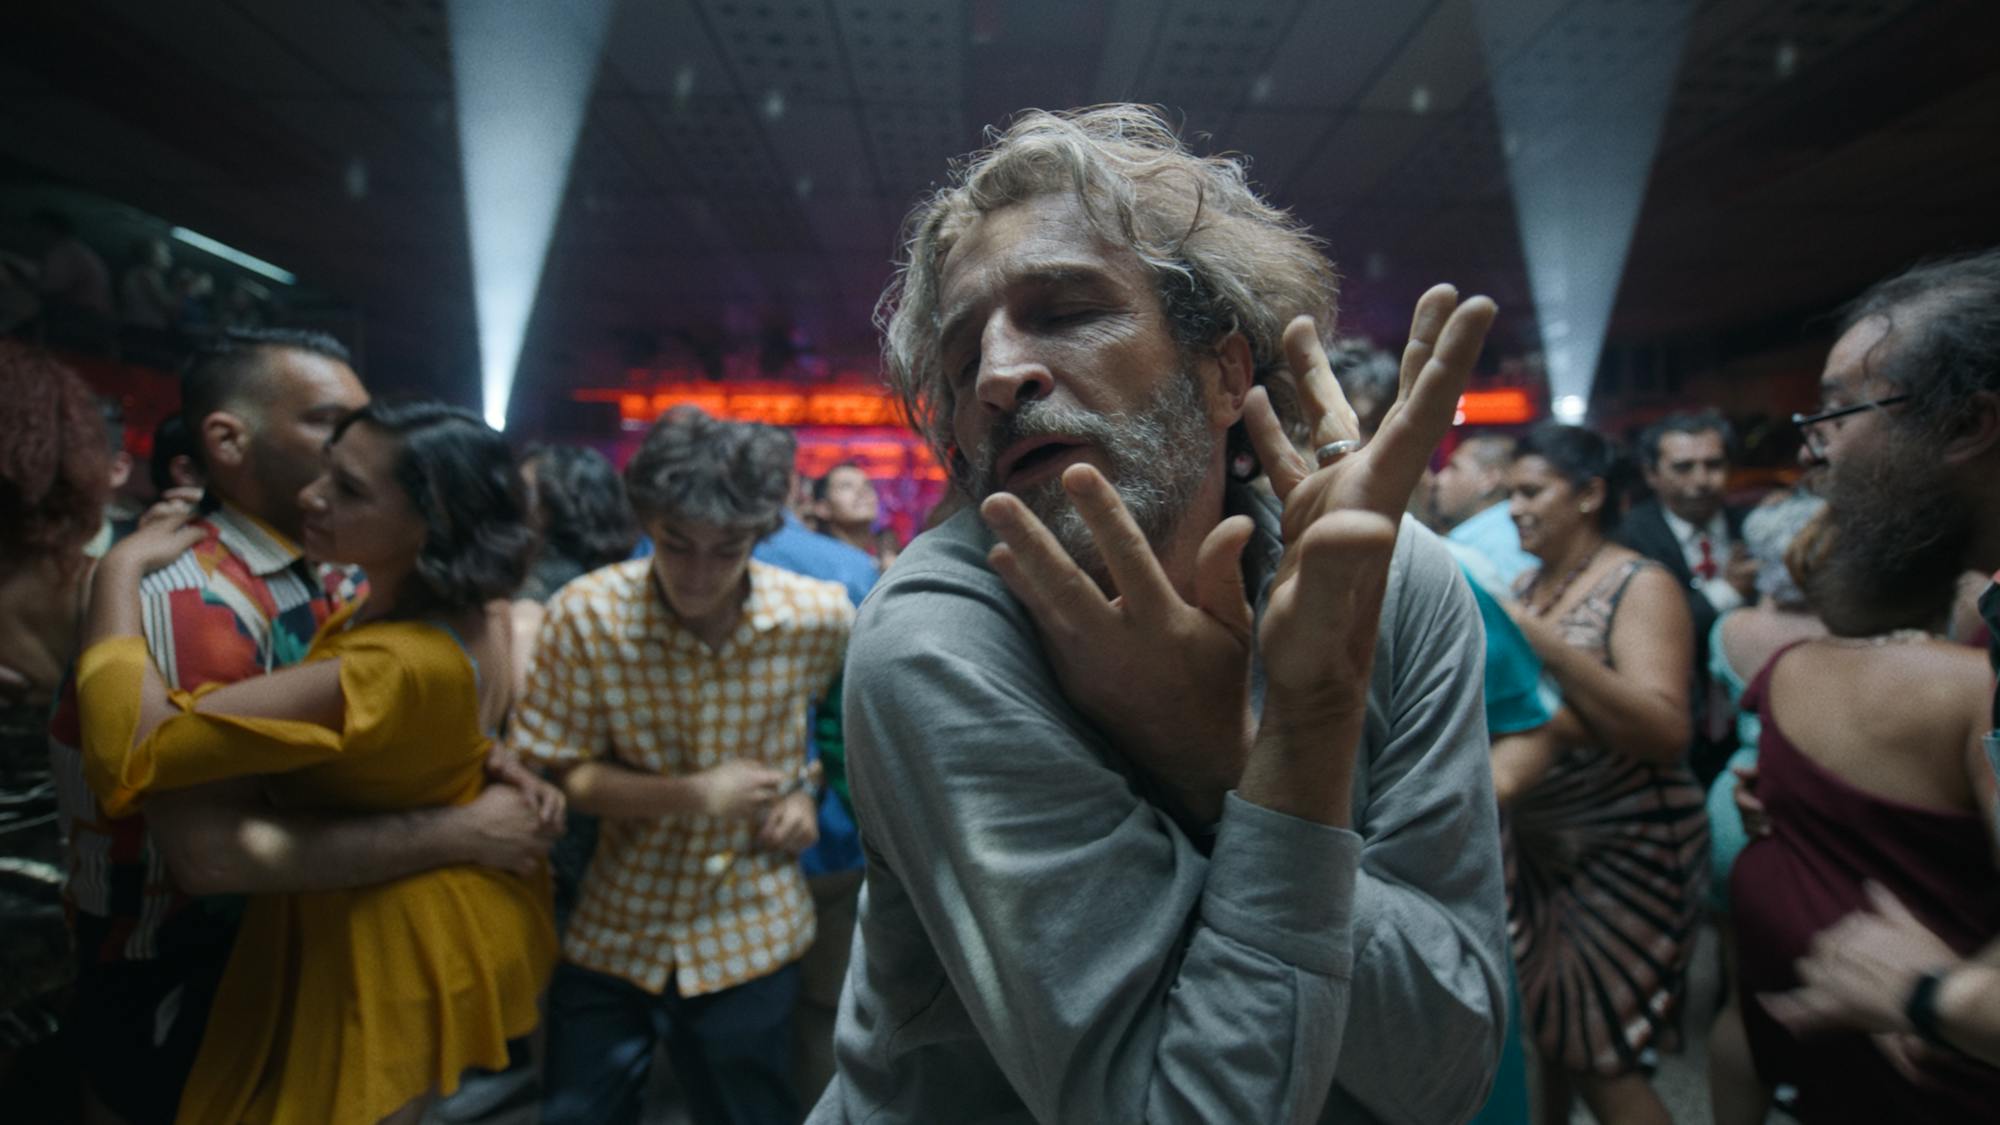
174, 464
71, 283
120, 514
1368, 377
1909, 432
1609, 849
579, 506
145, 291
796, 547
670, 694
1469, 503
53, 488
1687, 528
833, 865
845, 506
362, 1003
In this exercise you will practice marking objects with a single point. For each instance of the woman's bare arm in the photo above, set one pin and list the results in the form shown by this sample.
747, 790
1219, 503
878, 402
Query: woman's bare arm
1639, 705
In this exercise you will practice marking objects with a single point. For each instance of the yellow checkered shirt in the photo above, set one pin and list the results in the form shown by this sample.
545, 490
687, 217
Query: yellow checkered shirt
616, 676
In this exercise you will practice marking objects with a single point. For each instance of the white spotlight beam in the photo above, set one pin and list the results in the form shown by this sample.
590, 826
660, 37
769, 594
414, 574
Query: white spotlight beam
522, 70
1582, 96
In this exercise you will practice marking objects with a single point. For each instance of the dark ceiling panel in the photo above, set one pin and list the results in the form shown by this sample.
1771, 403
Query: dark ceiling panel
1438, 67
1331, 53
744, 163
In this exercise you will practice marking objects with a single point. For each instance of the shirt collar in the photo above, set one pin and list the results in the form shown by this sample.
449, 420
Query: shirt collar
1717, 528
261, 547
762, 609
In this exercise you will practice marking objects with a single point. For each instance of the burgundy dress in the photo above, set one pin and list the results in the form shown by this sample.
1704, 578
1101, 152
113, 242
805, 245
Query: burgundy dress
1827, 838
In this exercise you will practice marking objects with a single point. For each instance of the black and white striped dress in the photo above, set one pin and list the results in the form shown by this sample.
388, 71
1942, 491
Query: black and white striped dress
1606, 866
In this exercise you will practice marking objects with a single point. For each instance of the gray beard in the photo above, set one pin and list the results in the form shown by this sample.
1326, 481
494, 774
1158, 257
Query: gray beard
1157, 458
1901, 533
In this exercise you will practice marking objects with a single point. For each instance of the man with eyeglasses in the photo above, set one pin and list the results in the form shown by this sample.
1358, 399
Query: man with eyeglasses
1909, 435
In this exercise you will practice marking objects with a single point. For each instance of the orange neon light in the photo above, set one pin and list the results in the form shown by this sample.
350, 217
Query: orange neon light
1504, 406
775, 403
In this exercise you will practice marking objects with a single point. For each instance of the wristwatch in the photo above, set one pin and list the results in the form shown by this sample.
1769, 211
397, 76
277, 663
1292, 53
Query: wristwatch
1922, 1011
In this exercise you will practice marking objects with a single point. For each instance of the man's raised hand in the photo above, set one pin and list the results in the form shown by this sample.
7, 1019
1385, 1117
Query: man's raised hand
1167, 678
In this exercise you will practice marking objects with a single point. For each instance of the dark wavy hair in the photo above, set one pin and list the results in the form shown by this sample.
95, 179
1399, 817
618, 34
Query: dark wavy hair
461, 478
1579, 456
233, 370
708, 470
583, 512
1686, 422
55, 472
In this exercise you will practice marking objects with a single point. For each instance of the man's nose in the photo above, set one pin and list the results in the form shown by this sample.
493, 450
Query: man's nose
1011, 371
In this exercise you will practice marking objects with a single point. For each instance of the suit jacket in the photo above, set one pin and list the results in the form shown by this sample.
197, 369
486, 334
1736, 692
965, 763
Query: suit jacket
1645, 530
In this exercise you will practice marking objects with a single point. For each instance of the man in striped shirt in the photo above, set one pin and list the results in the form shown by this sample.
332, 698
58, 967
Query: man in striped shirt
152, 896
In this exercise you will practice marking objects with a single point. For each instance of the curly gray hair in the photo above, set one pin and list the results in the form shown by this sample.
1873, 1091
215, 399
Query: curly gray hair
1222, 259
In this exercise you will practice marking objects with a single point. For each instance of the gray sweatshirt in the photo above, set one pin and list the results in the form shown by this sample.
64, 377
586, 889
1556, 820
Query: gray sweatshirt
1040, 941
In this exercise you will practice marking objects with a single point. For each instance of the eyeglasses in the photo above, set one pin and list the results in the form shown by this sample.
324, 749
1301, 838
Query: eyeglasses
1808, 424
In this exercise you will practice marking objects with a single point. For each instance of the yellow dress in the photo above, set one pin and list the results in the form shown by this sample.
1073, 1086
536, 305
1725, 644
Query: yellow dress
342, 1006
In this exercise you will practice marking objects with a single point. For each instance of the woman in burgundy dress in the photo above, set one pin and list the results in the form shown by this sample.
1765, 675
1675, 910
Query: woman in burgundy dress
1871, 769
1607, 855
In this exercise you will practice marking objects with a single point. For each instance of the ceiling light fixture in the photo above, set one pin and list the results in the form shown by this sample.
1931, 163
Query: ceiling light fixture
230, 253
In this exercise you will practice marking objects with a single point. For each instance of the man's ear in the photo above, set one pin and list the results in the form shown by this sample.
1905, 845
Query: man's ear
225, 440
1976, 431
1235, 374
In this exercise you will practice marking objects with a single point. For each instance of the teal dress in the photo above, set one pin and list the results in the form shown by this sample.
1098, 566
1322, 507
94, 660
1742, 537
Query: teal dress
1726, 836
1517, 699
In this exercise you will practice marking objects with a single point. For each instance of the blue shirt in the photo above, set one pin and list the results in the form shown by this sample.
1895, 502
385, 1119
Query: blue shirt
1491, 532
801, 550
795, 548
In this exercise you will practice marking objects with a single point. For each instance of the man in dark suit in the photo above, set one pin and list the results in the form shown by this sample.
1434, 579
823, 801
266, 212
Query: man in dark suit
1687, 528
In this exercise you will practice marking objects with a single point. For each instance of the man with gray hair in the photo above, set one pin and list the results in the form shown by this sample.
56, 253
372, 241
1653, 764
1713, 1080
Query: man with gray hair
670, 693
1176, 798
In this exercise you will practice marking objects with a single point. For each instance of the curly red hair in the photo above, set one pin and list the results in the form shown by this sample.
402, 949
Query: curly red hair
55, 472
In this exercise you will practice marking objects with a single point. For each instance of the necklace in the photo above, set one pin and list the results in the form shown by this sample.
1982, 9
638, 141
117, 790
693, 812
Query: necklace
1562, 587
1899, 637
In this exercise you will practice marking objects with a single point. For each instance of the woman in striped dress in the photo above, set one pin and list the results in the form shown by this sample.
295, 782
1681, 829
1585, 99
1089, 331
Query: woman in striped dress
1607, 854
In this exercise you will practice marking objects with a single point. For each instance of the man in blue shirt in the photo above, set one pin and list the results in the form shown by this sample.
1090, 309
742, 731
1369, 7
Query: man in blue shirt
833, 865
1469, 497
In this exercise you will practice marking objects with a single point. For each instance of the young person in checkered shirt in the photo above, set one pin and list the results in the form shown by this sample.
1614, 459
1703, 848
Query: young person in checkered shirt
670, 693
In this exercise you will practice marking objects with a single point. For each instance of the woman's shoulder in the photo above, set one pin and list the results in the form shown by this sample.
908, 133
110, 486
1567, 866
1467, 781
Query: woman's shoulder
1929, 677
414, 645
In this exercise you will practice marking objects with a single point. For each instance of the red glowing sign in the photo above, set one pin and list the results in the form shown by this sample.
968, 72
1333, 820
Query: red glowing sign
1504, 406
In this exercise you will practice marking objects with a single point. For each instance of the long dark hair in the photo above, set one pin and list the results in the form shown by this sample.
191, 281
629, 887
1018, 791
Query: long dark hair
460, 477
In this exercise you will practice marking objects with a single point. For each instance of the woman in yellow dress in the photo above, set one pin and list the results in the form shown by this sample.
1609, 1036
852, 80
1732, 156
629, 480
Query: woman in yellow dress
352, 1005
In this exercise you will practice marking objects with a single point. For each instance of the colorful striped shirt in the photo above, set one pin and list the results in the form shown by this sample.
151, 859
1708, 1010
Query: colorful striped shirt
237, 604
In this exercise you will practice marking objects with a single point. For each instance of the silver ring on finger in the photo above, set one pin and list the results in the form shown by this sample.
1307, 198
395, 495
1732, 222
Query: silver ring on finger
1334, 450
